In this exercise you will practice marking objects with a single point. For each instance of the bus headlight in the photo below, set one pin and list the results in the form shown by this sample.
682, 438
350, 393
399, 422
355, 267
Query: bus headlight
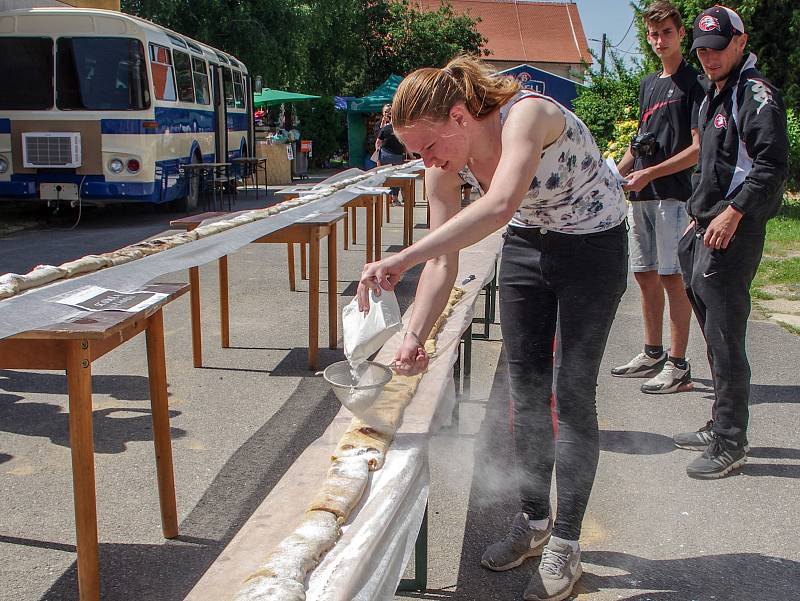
115, 166
3, 164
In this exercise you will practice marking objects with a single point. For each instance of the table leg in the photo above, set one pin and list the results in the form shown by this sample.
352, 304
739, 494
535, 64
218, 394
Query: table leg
370, 231
303, 261
345, 229
353, 222
157, 376
290, 254
333, 307
194, 297
388, 200
378, 224
313, 301
408, 221
224, 305
79, 387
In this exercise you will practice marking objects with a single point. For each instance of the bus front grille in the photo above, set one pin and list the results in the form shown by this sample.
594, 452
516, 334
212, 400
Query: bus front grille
51, 149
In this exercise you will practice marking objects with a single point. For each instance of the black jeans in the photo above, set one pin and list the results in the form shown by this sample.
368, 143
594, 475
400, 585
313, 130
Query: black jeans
573, 282
718, 285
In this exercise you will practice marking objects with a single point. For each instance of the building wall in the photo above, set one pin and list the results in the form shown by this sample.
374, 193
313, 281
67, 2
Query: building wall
12, 4
573, 71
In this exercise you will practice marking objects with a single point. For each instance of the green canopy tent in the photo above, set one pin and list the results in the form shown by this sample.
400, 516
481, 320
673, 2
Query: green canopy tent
270, 97
357, 107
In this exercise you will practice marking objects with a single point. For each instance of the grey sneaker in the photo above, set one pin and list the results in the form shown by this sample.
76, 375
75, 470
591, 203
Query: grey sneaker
670, 379
699, 441
718, 460
641, 366
559, 570
521, 542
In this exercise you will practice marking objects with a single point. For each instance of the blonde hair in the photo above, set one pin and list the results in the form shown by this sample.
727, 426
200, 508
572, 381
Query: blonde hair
430, 93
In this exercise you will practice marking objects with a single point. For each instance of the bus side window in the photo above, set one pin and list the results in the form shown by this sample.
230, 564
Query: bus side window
227, 82
201, 87
183, 75
238, 90
163, 74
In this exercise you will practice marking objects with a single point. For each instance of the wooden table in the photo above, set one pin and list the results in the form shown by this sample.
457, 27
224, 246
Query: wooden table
309, 230
73, 346
407, 182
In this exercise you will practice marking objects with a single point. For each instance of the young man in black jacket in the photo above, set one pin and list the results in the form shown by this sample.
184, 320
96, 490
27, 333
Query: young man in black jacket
658, 166
737, 188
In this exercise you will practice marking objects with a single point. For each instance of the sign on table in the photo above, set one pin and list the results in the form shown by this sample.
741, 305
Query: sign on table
95, 298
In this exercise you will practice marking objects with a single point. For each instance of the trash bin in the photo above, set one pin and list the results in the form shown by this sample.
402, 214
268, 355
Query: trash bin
300, 161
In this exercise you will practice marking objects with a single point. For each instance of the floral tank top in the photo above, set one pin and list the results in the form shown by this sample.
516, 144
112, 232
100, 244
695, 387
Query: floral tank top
573, 191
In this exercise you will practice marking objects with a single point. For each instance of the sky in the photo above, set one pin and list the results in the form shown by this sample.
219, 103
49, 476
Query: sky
611, 17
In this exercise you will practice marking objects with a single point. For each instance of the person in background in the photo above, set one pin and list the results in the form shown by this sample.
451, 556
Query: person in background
564, 267
390, 149
737, 188
658, 167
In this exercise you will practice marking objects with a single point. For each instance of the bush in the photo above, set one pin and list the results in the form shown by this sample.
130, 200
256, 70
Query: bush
621, 137
793, 121
607, 100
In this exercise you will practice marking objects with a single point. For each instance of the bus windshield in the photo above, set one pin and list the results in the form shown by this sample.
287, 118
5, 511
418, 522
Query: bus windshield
28, 63
101, 74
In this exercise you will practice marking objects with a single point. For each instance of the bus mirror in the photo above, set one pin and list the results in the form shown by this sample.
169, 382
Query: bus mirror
258, 84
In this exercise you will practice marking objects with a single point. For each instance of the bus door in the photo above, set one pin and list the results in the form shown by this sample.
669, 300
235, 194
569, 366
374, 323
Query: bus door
220, 116
251, 121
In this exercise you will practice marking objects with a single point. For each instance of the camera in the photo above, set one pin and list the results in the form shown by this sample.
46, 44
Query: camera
644, 145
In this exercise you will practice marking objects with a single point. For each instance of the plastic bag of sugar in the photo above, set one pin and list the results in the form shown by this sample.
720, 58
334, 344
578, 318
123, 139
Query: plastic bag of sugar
366, 333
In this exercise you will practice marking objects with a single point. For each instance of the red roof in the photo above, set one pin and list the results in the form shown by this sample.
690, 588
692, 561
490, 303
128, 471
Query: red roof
547, 32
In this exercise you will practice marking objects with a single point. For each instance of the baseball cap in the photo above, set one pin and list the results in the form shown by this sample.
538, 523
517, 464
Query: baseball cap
715, 27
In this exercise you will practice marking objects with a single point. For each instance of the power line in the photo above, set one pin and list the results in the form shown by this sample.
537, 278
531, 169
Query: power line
626, 34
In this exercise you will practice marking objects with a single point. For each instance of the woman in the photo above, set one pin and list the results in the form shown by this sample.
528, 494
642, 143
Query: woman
564, 256
390, 149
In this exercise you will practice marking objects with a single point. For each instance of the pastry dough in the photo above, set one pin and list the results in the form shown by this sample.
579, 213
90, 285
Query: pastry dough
343, 487
85, 264
41, 275
265, 588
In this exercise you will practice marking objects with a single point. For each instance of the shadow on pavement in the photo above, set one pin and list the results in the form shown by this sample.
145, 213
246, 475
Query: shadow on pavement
171, 569
761, 393
635, 443
122, 387
114, 427
739, 576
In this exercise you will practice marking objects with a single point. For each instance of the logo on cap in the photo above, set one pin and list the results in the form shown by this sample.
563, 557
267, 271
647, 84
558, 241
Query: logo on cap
709, 23
720, 121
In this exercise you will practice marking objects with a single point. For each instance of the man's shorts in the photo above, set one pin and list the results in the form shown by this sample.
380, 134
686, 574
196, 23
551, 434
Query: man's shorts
656, 228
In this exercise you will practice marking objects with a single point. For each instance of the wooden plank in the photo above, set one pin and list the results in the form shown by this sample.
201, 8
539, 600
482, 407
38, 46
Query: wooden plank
18, 353
224, 305
194, 303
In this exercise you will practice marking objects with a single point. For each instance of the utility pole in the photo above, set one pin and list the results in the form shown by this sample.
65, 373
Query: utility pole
603, 57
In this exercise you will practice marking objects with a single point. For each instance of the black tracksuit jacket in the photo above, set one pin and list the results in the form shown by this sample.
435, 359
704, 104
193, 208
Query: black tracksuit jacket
743, 150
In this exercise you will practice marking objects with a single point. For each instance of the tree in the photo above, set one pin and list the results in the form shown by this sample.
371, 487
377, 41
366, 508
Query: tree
773, 26
400, 37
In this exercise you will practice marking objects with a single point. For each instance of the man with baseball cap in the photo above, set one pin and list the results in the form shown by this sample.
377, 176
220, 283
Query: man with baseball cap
736, 189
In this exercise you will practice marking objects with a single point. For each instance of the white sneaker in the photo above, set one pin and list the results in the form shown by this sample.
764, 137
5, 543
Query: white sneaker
641, 366
671, 379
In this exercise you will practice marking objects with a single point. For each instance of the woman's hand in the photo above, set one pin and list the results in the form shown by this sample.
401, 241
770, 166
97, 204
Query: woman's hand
411, 358
377, 276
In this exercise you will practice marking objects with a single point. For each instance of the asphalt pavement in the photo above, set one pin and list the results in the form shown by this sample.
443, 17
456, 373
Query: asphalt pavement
238, 423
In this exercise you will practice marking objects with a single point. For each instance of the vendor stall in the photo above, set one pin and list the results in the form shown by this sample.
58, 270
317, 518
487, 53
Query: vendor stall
278, 145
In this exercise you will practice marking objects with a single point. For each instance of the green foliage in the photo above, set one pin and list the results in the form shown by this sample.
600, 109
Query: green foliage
624, 131
773, 27
403, 38
325, 126
793, 122
608, 99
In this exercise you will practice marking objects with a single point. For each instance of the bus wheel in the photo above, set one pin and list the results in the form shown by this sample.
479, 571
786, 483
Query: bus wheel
191, 200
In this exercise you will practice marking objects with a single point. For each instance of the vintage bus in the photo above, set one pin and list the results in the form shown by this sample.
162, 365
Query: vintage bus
99, 107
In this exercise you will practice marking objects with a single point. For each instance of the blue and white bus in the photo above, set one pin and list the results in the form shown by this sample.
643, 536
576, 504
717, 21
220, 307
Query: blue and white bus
99, 107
